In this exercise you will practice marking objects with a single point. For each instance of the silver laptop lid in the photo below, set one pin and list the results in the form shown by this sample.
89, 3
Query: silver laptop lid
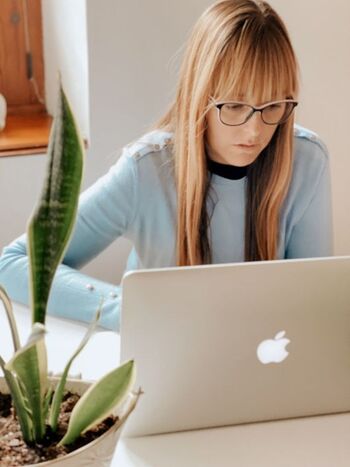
207, 341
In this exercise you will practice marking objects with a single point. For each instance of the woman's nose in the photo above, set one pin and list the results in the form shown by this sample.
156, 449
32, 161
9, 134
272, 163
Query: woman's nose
254, 126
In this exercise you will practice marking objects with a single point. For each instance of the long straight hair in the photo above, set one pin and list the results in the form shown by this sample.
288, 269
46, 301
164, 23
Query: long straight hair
236, 47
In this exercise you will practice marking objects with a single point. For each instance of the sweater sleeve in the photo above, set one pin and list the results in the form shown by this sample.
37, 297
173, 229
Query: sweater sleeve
106, 211
312, 235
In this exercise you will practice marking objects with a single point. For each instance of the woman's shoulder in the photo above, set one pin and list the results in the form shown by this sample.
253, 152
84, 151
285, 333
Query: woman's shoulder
310, 149
152, 142
310, 165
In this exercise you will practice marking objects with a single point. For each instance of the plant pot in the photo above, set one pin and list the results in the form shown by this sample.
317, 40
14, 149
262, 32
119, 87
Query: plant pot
98, 453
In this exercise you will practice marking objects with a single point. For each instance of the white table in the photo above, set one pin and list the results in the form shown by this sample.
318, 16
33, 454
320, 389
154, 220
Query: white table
310, 442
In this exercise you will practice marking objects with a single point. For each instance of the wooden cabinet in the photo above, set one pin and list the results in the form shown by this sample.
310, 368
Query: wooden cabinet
21, 56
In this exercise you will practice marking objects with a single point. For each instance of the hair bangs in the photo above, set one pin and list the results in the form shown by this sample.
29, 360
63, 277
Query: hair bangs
256, 69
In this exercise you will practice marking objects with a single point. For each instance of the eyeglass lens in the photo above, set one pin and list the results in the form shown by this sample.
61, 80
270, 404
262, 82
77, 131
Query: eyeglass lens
236, 114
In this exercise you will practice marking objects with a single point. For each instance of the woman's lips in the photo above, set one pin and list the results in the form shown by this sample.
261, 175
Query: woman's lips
246, 146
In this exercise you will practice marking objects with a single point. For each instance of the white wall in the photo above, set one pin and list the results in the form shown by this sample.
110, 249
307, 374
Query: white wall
20, 183
321, 36
130, 67
65, 51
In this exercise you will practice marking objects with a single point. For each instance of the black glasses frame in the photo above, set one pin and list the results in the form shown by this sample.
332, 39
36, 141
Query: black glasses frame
260, 109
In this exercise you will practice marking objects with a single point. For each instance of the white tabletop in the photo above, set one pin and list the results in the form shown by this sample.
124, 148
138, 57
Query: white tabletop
309, 442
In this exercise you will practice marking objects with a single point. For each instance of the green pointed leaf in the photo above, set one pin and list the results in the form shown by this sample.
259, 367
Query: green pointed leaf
57, 399
18, 403
10, 317
47, 401
20, 407
16, 394
52, 222
29, 366
100, 400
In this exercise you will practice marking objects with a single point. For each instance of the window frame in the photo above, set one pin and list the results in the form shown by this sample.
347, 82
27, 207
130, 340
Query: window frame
22, 80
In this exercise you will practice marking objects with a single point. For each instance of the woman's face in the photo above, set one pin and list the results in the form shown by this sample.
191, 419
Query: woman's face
225, 144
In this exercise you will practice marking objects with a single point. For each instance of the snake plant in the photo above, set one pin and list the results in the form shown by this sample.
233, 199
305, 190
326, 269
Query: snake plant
36, 402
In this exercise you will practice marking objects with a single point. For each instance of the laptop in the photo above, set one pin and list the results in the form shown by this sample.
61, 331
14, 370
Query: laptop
237, 343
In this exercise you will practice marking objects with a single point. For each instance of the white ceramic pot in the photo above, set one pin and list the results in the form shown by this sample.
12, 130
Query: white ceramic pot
98, 453
3, 112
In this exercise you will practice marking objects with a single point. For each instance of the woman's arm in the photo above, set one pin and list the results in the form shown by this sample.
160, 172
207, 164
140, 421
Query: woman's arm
312, 235
106, 211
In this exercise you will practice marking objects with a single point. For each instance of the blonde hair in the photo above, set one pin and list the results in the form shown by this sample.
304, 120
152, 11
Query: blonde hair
236, 47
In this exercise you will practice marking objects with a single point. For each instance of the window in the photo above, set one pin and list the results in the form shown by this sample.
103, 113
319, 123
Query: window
22, 78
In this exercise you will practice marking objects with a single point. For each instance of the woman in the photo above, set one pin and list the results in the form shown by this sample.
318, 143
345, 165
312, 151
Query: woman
223, 177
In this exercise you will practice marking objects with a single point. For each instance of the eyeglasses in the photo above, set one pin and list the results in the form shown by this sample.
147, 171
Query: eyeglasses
237, 113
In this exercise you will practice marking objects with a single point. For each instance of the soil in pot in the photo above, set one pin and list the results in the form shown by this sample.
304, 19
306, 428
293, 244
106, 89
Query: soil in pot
13, 450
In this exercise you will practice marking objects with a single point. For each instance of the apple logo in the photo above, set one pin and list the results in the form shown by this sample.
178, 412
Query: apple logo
273, 350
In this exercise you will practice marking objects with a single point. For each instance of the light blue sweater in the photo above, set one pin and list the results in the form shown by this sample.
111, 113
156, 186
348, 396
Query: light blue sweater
137, 199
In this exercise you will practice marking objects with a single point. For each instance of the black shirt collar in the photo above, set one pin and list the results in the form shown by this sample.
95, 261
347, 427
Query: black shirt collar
232, 172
